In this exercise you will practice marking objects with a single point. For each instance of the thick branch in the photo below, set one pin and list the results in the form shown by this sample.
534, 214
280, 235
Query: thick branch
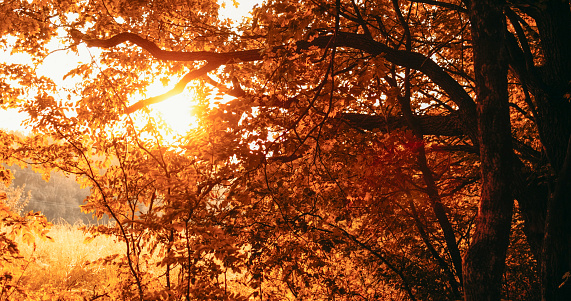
178, 88
410, 59
419, 62
155, 51
439, 125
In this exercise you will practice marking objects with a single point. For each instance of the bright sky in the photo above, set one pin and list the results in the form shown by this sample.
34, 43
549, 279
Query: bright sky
54, 66
175, 111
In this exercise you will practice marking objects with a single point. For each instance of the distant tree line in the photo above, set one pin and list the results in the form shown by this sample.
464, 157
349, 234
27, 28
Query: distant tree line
59, 199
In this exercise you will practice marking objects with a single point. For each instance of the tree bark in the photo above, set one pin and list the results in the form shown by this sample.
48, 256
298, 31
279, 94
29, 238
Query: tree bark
556, 255
484, 262
439, 125
554, 109
546, 208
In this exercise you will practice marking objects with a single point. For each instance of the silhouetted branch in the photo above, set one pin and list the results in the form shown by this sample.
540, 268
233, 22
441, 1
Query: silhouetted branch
178, 88
440, 125
409, 59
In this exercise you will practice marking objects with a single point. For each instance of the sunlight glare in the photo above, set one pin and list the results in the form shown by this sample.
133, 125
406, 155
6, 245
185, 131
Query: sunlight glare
175, 111
236, 10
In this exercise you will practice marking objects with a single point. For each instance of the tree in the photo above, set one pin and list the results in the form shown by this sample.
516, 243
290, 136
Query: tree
16, 198
485, 258
58, 199
354, 138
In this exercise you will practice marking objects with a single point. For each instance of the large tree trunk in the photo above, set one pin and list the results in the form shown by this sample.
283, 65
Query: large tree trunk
484, 261
554, 124
547, 213
556, 263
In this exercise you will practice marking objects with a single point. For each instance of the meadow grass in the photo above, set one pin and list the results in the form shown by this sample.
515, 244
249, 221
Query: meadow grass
64, 269
69, 267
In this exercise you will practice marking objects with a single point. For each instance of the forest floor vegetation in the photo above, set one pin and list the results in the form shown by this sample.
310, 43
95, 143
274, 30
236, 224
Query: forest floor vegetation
65, 268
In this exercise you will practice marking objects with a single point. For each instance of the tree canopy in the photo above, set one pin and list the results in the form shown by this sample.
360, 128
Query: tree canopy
359, 150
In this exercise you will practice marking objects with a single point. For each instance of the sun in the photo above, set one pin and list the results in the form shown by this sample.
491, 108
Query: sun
176, 111
172, 117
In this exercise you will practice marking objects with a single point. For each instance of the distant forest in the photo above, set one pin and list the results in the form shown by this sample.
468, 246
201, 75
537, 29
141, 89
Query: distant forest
58, 199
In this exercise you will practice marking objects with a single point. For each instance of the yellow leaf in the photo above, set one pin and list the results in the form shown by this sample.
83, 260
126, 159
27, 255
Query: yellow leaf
28, 238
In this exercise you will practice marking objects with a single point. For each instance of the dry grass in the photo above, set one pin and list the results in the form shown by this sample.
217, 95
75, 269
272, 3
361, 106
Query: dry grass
69, 268
62, 269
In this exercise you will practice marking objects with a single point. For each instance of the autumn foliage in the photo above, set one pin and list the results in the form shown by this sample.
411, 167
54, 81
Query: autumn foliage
354, 150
